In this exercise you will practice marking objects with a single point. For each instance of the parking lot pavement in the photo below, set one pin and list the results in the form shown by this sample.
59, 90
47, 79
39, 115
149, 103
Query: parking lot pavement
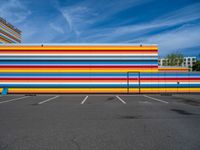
189, 96
4, 98
103, 99
142, 122
185, 99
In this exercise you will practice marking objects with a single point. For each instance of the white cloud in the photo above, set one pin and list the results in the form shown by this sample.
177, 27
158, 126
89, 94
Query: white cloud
81, 16
77, 23
176, 40
14, 11
57, 28
178, 17
183, 15
184, 32
77, 17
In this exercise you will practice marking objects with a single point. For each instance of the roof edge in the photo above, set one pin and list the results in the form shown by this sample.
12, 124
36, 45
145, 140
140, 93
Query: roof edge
77, 44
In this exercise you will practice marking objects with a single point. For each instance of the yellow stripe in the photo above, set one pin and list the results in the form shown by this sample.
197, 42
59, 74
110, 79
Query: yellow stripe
154, 90
183, 69
14, 47
98, 90
67, 90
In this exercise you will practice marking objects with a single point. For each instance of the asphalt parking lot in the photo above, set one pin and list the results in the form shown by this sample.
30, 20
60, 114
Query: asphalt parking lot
100, 122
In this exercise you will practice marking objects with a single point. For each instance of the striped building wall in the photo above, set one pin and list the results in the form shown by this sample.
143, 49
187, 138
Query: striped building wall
59, 58
131, 82
164, 82
88, 69
8, 33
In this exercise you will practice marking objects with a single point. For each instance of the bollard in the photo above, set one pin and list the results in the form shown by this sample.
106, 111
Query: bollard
4, 91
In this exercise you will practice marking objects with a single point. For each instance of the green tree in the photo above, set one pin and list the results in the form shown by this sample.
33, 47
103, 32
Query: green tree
174, 59
196, 66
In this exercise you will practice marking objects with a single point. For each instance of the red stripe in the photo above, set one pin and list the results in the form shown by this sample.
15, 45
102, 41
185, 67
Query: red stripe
81, 51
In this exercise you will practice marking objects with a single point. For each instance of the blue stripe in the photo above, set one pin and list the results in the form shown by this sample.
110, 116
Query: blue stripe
79, 62
102, 85
169, 85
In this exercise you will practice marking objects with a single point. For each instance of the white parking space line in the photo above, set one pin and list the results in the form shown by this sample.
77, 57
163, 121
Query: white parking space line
84, 100
15, 99
42, 102
119, 98
156, 99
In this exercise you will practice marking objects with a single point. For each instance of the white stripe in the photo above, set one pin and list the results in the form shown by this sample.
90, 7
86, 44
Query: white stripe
42, 102
13, 99
155, 99
121, 100
84, 100
78, 58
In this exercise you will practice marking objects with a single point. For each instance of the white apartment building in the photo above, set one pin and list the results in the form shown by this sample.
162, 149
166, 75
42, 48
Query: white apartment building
187, 61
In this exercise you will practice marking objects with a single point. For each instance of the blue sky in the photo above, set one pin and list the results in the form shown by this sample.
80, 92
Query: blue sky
172, 24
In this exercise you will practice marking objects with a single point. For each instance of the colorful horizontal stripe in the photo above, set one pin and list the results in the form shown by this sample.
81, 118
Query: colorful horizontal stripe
127, 82
82, 47
76, 58
173, 69
85, 58
8, 34
89, 69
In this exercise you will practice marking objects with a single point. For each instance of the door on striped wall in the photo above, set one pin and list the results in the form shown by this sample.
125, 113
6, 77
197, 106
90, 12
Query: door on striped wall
133, 82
